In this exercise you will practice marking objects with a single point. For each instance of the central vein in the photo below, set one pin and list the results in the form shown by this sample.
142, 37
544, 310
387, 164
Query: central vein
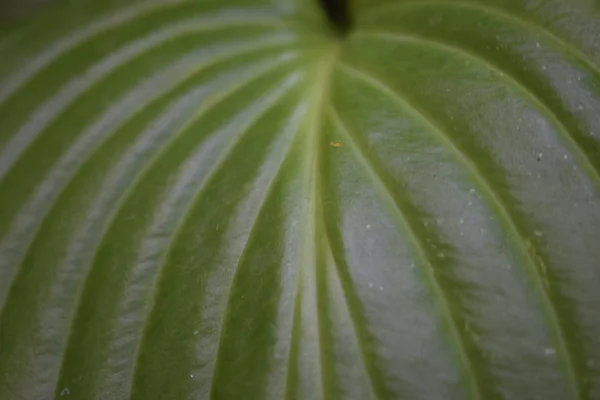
308, 275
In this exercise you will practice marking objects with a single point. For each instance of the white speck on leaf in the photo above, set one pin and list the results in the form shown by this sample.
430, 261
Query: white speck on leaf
549, 351
462, 221
538, 233
368, 226
370, 284
543, 67
381, 288
537, 45
566, 156
65, 392
591, 363
436, 19
195, 332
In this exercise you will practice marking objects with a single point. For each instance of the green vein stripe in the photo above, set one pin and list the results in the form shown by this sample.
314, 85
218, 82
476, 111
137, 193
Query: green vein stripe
471, 375
68, 273
292, 381
351, 300
494, 11
214, 21
582, 153
497, 202
90, 227
208, 104
256, 111
293, 126
77, 38
56, 105
80, 333
25, 229
377, 387
153, 251
310, 257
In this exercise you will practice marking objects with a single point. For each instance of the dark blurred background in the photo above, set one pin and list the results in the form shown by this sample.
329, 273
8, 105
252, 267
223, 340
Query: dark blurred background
11, 10
337, 11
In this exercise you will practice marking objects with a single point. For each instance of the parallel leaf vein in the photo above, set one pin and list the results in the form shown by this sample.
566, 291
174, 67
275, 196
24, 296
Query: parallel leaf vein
244, 254
469, 164
76, 38
529, 25
46, 58
360, 334
268, 102
568, 135
266, 67
208, 105
41, 119
400, 216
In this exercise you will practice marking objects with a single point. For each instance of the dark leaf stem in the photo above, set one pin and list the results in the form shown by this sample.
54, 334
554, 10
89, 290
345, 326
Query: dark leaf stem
338, 15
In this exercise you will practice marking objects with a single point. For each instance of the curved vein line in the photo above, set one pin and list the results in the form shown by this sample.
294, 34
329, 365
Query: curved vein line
79, 37
470, 165
243, 255
323, 81
501, 14
347, 292
39, 121
180, 28
319, 96
153, 100
294, 351
400, 216
271, 99
210, 103
568, 136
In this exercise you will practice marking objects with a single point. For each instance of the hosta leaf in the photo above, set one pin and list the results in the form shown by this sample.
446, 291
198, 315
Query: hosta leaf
226, 199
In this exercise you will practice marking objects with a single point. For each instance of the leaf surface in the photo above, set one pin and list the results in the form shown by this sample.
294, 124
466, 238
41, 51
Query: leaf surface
221, 199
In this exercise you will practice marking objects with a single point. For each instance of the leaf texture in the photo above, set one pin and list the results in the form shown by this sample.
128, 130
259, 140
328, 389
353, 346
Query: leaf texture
221, 199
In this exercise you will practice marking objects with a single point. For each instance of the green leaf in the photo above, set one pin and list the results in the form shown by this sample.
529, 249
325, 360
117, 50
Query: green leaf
226, 200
